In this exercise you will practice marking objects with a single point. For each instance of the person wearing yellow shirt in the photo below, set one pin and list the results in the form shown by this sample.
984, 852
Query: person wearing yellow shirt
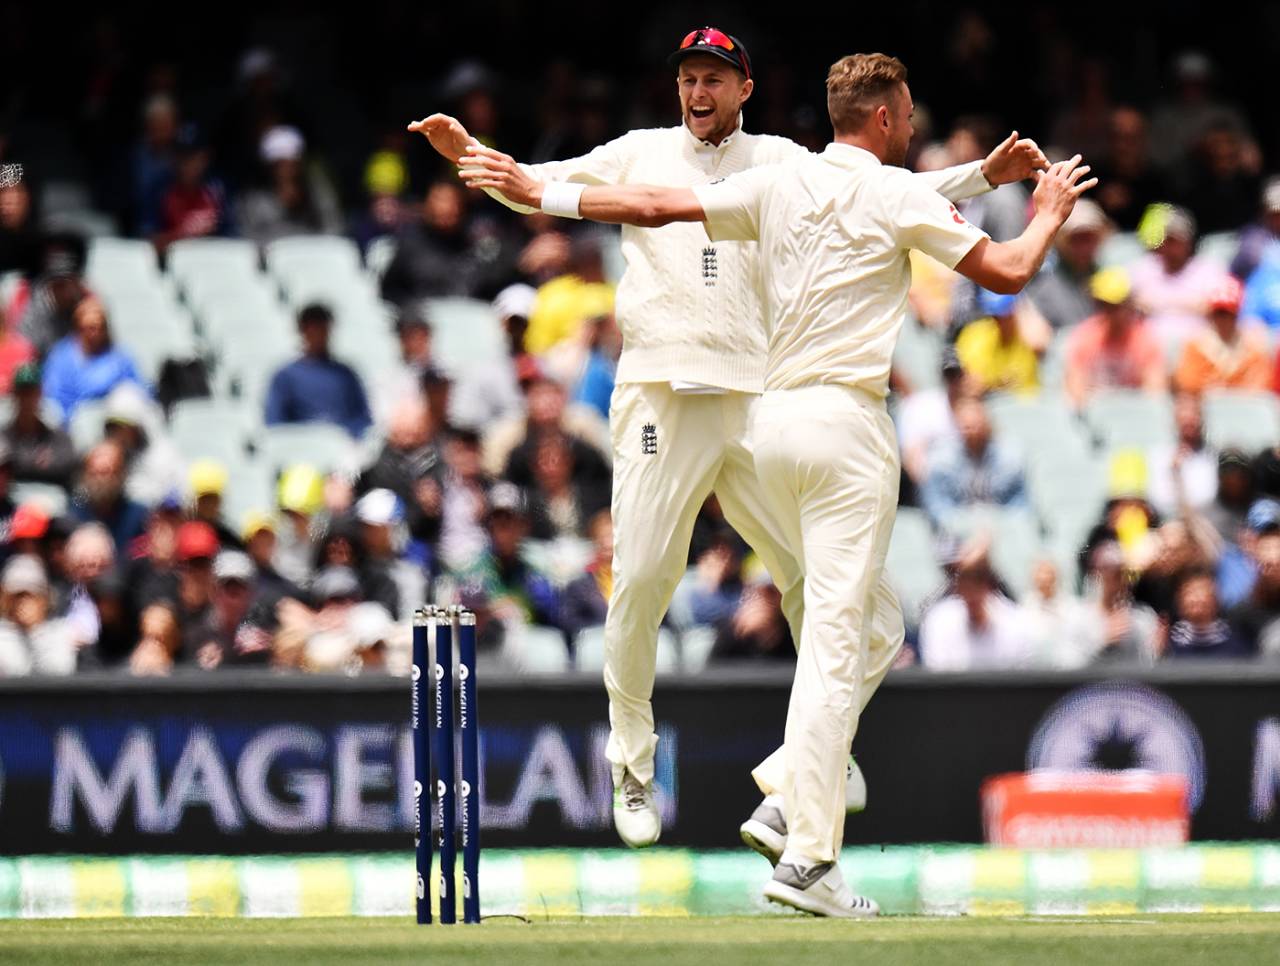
993, 350
563, 304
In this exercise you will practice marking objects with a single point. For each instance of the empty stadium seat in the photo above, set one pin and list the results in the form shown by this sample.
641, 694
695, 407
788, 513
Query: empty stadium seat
912, 563
1034, 423
323, 445
121, 262
918, 355
214, 429
1120, 417
588, 650
1248, 420
1120, 249
1068, 493
312, 256
539, 650
465, 332
191, 258
250, 487
695, 648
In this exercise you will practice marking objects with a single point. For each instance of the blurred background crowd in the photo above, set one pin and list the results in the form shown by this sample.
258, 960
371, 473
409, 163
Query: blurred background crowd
272, 378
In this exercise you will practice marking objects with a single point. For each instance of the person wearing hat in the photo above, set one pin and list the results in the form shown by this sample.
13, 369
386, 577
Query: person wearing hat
31, 642
41, 453
564, 303
692, 364
993, 350
27, 529
1225, 354
300, 499
1128, 179
1061, 290
1233, 496
316, 387
1171, 284
1117, 629
231, 632
1113, 348
207, 482
154, 467
1257, 616
297, 199
259, 539
86, 365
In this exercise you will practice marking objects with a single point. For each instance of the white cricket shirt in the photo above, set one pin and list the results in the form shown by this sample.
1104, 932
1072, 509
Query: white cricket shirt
835, 230
689, 309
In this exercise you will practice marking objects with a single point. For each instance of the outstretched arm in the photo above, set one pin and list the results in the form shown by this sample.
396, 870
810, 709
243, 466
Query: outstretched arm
1014, 159
605, 164
645, 206
1006, 267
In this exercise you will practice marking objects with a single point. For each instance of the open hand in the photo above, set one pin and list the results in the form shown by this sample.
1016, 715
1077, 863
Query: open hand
1058, 188
484, 167
1012, 160
446, 134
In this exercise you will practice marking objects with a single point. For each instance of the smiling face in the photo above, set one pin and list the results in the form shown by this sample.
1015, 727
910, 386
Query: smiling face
711, 95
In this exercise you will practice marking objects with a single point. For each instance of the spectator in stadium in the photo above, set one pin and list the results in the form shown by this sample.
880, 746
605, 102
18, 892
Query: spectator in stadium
119, 634
227, 634
1116, 628
1114, 348
15, 352
559, 505
1171, 284
1222, 184
334, 636
152, 164
20, 241
31, 640
565, 303
269, 585
154, 468
1262, 294
926, 416
47, 307
411, 467
159, 645
975, 627
90, 553
297, 198
972, 469
300, 497
505, 592
1174, 550
488, 392
41, 453
192, 596
1128, 180
993, 350
595, 363
512, 447
586, 598
28, 528
1226, 514
385, 178
1224, 354
1256, 619
317, 387
206, 484
100, 496
384, 577
756, 630
1198, 629
1085, 126
711, 589
86, 365
447, 251
1061, 289
1054, 620
194, 205
1179, 123
1260, 241
463, 495
1183, 475
404, 381
151, 561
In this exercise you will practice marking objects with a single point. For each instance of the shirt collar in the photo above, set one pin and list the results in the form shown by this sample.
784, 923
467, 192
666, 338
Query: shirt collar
697, 142
849, 155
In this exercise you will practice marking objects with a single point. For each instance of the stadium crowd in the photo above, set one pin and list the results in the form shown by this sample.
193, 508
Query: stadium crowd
1074, 490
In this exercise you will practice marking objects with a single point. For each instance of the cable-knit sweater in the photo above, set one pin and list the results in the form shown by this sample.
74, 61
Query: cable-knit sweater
689, 309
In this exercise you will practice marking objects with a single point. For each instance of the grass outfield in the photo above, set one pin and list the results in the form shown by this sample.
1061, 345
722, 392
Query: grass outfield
1166, 940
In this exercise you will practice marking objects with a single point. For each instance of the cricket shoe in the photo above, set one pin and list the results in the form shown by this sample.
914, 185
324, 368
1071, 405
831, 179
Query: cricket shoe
635, 812
766, 830
818, 889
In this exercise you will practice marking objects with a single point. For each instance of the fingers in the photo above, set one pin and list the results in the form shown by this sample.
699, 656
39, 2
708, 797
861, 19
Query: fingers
1083, 186
478, 150
1008, 143
1032, 150
1078, 173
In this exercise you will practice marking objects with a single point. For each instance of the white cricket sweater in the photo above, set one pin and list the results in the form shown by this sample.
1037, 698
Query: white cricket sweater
689, 309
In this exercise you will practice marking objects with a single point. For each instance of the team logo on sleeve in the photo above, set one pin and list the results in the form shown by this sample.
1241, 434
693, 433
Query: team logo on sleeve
956, 216
649, 439
710, 270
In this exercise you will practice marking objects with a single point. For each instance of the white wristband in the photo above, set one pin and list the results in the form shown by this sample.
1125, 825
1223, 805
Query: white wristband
561, 198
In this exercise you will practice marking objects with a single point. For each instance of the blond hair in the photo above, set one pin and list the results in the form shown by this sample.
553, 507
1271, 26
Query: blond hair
858, 84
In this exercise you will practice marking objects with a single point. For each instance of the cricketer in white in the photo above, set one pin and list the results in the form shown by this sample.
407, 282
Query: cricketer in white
692, 368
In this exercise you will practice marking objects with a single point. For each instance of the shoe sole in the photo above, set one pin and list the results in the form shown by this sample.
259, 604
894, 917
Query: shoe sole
785, 895
637, 845
761, 838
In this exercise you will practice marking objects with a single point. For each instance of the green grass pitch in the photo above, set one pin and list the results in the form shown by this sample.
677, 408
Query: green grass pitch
1167, 940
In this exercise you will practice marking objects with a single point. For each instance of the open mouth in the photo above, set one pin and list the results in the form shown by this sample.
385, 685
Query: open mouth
702, 113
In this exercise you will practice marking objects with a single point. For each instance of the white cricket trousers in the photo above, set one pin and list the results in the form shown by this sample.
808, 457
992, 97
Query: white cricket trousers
827, 459
670, 450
